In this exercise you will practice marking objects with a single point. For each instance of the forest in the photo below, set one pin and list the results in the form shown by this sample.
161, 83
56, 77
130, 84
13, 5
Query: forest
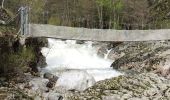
104, 14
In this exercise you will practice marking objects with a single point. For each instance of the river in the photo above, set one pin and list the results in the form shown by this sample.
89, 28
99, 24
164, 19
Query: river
68, 55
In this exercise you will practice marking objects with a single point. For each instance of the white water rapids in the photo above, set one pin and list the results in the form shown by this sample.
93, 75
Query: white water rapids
67, 55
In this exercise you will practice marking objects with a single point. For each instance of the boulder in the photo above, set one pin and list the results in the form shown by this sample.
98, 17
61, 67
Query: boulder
75, 80
48, 75
52, 82
79, 42
37, 86
52, 79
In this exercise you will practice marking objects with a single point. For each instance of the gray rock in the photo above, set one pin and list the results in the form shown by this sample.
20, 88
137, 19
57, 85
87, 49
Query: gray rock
37, 86
48, 75
54, 96
37, 98
79, 42
52, 82
102, 51
52, 79
135, 99
75, 80
112, 97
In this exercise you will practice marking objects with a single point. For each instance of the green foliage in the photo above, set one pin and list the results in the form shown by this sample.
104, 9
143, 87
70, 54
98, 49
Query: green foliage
15, 62
36, 7
160, 9
118, 6
54, 21
116, 25
22, 58
7, 29
9, 13
93, 13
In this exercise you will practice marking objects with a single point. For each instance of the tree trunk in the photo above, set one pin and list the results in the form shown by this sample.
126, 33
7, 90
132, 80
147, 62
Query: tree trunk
100, 14
2, 5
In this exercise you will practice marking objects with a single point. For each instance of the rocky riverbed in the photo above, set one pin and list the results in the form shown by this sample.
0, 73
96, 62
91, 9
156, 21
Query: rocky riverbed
146, 76
145, 86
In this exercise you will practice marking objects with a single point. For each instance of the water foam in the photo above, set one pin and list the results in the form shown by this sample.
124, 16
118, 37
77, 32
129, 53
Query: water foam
68, 55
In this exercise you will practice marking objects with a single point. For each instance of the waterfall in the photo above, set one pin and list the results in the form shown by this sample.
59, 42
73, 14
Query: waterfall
67, 55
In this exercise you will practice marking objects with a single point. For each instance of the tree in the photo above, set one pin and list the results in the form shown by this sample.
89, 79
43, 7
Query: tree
2, 4
36, 8
109, 12
160, 9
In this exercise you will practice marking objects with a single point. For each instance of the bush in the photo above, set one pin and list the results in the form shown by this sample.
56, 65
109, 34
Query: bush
16, 63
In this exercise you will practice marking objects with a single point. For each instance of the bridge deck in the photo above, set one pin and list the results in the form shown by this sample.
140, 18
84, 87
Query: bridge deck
62, 32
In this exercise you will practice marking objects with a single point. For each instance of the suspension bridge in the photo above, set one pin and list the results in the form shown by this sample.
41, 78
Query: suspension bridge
75, 33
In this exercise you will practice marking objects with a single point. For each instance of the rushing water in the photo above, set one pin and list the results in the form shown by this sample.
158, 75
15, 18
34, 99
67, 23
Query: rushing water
67, 55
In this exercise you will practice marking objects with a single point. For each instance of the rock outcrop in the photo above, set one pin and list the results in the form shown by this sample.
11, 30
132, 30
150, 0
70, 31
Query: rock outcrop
139, 57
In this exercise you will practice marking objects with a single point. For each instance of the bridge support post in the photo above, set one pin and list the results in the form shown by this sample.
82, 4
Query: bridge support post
24, 24
24, 21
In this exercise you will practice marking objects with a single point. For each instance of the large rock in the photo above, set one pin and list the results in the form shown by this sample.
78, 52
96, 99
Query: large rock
75, 80
52, 79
